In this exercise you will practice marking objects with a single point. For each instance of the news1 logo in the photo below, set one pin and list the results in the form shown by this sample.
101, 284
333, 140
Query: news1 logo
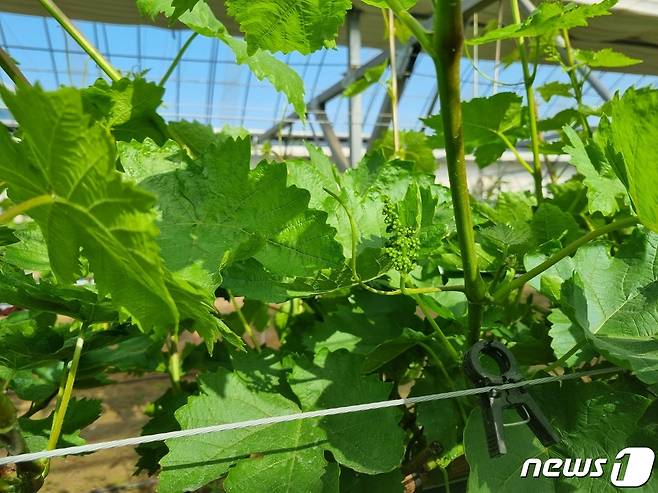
632, 467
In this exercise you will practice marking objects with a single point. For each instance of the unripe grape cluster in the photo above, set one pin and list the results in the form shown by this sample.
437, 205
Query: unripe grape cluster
403, 244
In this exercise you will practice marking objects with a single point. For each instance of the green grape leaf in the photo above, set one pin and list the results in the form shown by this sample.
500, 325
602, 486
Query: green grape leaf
28, 341
565, 335
128, 107
441, 420
612, 300
198, 136
269, 454
92, 208
115, 350
80, 414
406, 4
370, 442
550, 281
484, 120
162, 419
370, 77
215, 211
414, 147
569, 117
547, 19
604, 190
280, 25
506, 239
8, 236
362, 190
30, 252
301, 470
174, 8
197, 312
364, 325
21, 290
511, 207
592, 420
251, 279
391, 349
606, 57
550, 223
201, 19
554, 88
634, 131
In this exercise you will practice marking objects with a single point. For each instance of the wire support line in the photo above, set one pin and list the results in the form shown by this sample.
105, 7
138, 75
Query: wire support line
160, 437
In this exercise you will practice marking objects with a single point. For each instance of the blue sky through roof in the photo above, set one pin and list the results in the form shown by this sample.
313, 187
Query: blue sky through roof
210, 87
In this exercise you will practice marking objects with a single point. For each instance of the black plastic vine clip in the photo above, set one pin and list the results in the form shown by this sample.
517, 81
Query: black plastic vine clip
495, 402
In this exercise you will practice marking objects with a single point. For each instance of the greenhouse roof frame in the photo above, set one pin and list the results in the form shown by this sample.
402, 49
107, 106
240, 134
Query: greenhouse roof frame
326, 108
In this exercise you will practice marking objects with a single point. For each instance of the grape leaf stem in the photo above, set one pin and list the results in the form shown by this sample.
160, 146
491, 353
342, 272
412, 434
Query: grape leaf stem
245, 325
571, 248
8, 64
564, 358
393, 82
177, 60
106, 67
64, 395
454, 356
25, 206
528, 79
573, 77
79, 38
515, 151
174, 363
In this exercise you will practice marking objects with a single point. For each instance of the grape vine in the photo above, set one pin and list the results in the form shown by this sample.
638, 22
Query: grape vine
132, 245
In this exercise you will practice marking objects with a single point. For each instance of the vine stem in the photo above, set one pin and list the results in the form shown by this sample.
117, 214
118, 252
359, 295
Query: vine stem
442, 337
79, 38
23, 207
111, 72
174, 364
412, 24
177, 60
449, 40
11, 69
412, 291
571, 71
243, 321
563, 359
566, 251
394, 81
64, 395
515, 151
532, 107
